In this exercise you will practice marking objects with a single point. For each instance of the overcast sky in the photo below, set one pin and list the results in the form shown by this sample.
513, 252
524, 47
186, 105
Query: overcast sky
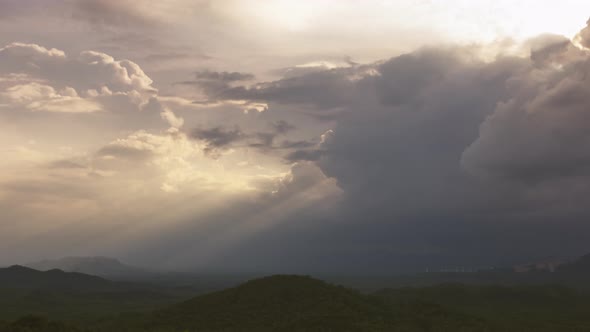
323, 136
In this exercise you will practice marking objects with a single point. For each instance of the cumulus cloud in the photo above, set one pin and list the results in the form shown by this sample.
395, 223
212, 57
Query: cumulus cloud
540, 132
584, 36
36, 78
307, 181
40, 97
47, 80
88, 70
427, 138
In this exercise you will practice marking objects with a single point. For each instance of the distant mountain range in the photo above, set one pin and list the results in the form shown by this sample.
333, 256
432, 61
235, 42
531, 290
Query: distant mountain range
21, 277
106, 267
572, 273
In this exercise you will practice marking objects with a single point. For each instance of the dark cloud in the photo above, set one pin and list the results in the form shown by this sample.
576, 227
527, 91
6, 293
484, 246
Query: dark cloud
540, 133
304, 155
263, 140
301, 144
111, 12
217, 137
220, 137
224, 76
214, 83
323, 89
445, 157
282, 127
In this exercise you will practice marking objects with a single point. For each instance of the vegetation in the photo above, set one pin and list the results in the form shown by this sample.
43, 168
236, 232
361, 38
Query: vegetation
294, 303
33, 323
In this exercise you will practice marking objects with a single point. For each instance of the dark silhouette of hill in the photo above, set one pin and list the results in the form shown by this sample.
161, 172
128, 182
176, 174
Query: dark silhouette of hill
106, 267
297, 303
75, 296
31, 323
292, 303
277, 303
18, 277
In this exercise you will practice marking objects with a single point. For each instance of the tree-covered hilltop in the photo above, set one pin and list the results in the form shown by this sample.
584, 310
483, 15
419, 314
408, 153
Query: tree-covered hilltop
301, 303
295, 303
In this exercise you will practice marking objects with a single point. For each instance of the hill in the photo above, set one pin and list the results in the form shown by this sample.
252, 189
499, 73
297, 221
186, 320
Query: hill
504, 308
292, 303
74, 296
300, 303
106, 267
19, 277
277, 303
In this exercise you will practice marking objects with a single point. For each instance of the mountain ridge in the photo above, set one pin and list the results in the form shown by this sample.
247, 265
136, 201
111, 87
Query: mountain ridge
107, 267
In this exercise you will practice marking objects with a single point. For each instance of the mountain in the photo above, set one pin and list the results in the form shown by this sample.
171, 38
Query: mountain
75, 296
99, 266
21, 277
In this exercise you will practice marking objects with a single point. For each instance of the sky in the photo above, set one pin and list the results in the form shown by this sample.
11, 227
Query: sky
284, 136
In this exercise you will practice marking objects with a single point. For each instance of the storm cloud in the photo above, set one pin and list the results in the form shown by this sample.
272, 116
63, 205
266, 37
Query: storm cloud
207, 135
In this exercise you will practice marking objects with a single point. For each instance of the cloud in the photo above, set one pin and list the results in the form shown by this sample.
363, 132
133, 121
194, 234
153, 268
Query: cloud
305, 179
301, 144
304, 155
584, 36
282, 127
35, 79
65, 164
40, 97
213, 83
175, 56
220, 137
207, 75
539, 133
449, 153
217, 138
172, 119
113, 12
324, 89
88, 70
441, 146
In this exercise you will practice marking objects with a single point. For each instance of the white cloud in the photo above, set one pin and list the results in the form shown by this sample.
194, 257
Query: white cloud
40, 97
41, 79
